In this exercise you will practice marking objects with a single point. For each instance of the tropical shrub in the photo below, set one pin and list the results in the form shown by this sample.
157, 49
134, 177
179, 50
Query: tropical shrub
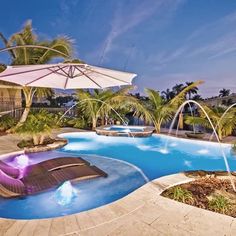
224, 125
161, 110
79, 123
220, 204
6, 122
25, 143
37, 127
180, 194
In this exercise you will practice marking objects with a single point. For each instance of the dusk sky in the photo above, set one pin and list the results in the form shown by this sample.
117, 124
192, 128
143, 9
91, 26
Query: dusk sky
164, 41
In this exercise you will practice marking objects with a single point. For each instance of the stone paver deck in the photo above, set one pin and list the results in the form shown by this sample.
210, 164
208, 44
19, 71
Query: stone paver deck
8, 143
143, 212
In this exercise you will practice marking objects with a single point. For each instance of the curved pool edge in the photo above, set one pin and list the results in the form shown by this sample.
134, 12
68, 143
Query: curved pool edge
166, 136
143, 209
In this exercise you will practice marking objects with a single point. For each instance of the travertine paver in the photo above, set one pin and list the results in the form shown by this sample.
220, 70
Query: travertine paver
8, 143
43, 227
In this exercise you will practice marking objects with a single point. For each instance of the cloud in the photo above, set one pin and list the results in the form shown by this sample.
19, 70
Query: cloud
213, 26
65, 12
217, 47
124, 21
212, 40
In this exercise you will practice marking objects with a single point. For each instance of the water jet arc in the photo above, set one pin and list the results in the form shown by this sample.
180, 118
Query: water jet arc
97, 100
191, 111
221, 118
214, 131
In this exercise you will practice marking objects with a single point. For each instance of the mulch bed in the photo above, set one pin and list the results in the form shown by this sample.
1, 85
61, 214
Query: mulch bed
206, 188
2, 133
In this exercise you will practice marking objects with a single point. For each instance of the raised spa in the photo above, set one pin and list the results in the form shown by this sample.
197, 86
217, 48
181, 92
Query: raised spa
123, 130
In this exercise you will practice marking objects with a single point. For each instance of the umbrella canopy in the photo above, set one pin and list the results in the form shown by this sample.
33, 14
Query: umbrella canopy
66, 76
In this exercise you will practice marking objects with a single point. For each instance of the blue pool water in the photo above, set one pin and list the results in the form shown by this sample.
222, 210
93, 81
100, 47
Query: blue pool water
128, 163
125, 129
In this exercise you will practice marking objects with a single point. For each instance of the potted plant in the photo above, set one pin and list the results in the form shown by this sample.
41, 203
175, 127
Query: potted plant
195, 134
233, 148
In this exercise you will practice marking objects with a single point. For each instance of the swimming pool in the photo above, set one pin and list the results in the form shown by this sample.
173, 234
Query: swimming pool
129, 162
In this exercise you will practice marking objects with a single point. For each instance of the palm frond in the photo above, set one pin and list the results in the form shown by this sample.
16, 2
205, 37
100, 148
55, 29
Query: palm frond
179, 98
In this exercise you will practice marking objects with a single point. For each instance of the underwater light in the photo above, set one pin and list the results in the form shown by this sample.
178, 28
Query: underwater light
22, 161
65, 193
163, 150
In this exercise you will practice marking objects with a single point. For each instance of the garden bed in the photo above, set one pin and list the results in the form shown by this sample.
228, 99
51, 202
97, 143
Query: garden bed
2, 133
48, 145
212, 192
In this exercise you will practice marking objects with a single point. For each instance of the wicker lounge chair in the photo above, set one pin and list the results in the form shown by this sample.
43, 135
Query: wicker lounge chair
11, 187
47, 165
9, 170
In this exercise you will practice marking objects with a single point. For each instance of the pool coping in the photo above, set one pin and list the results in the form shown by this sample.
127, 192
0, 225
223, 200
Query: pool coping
144, 205
194, 140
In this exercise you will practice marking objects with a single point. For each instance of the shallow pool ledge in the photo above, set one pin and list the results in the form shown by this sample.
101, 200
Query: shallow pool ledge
143, 212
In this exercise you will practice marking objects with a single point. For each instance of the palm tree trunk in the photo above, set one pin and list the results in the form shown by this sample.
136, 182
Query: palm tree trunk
157, 127
102, 121
35, 140
28, 93
24, 115
42, 138
94, 123
220, 135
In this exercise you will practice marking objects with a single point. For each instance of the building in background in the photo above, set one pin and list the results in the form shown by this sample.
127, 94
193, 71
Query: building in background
10, 97
221, 101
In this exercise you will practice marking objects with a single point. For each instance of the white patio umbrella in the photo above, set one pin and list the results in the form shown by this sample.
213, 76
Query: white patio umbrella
66, 76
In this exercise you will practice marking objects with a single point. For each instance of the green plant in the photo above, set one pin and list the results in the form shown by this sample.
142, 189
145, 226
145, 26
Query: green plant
32, 56
224, 126
6, 122
220, 204
38, 126
101, 104
25, 143
161, 110
180, 194
77, 123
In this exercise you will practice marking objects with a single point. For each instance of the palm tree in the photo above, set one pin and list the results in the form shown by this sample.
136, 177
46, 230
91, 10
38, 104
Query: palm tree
162, 111
224, 92
177, 88
25, 56
194, 90
223, 128
2, 67
99, 104
197, 97
168, 94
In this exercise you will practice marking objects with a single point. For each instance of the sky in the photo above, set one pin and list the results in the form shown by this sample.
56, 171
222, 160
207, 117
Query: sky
163, 41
